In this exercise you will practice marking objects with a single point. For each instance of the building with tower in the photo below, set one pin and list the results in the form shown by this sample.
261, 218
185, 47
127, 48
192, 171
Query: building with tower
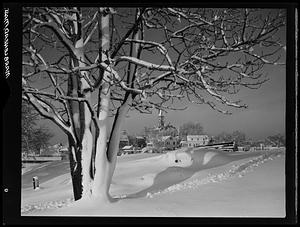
163, 136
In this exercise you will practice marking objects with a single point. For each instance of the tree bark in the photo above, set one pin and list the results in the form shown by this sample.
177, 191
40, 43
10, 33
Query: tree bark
106, 156
100, 188
76, 169
100, 184
74, 143
85, 120
113, 146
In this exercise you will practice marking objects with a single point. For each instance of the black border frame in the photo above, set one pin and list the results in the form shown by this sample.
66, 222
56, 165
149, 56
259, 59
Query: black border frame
11, 125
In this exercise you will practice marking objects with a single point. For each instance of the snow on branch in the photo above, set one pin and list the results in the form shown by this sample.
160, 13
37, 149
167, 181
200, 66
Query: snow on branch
59, 33
128, 33
217, 41
45, 109
91, 34
160, 47
54, 96
148, 65
219, 97
188, 16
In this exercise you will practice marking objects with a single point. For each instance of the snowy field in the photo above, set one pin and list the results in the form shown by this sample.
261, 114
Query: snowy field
181, 183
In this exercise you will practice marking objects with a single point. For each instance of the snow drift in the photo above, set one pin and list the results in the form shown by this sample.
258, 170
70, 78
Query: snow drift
141, 177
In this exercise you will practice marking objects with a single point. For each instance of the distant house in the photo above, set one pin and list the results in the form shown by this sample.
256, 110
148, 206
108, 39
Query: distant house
196, 140
124, 140
140, 142
243, 148
64, 151
170, 142
258, 145
150, 148
128, 149
183, 143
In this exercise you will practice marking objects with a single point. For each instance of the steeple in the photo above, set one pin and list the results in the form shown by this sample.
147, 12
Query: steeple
160, 113
161, 120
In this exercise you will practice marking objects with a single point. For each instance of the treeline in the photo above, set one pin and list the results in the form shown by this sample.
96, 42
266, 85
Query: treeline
241, 140
238, 137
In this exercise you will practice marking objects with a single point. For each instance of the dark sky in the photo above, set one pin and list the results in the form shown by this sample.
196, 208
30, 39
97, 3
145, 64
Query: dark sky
264, 116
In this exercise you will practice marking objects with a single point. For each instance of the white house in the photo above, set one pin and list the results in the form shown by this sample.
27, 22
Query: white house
197, 140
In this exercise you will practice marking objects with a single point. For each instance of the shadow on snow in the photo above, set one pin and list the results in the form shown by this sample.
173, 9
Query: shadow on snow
174, 175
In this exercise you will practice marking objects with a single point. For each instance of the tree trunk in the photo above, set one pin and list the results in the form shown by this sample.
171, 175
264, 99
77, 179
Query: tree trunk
76, 169
100, 188
74, 143
85, 120
96, 185
106, 155
113, 146
100, 184
87, 147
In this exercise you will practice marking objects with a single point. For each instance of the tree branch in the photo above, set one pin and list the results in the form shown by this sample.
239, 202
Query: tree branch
145, 64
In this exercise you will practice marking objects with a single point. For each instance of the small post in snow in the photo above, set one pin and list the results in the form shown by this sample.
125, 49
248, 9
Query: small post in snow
35, 181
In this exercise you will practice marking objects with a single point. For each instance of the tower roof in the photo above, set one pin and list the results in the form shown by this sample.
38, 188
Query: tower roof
160, 113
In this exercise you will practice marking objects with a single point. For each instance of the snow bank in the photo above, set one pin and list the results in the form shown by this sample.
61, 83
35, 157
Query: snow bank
27, 167
32, 208
138, 181
235, 171
181, 159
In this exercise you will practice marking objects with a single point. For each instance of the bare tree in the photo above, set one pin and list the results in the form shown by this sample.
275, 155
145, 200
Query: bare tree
238, 137
190, 128
84, 65
34, 137
277, 140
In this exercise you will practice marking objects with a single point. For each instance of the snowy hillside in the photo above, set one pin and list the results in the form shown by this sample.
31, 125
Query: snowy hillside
186, 182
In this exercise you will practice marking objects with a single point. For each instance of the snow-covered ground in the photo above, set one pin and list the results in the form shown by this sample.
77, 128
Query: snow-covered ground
26, 167
185, 183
